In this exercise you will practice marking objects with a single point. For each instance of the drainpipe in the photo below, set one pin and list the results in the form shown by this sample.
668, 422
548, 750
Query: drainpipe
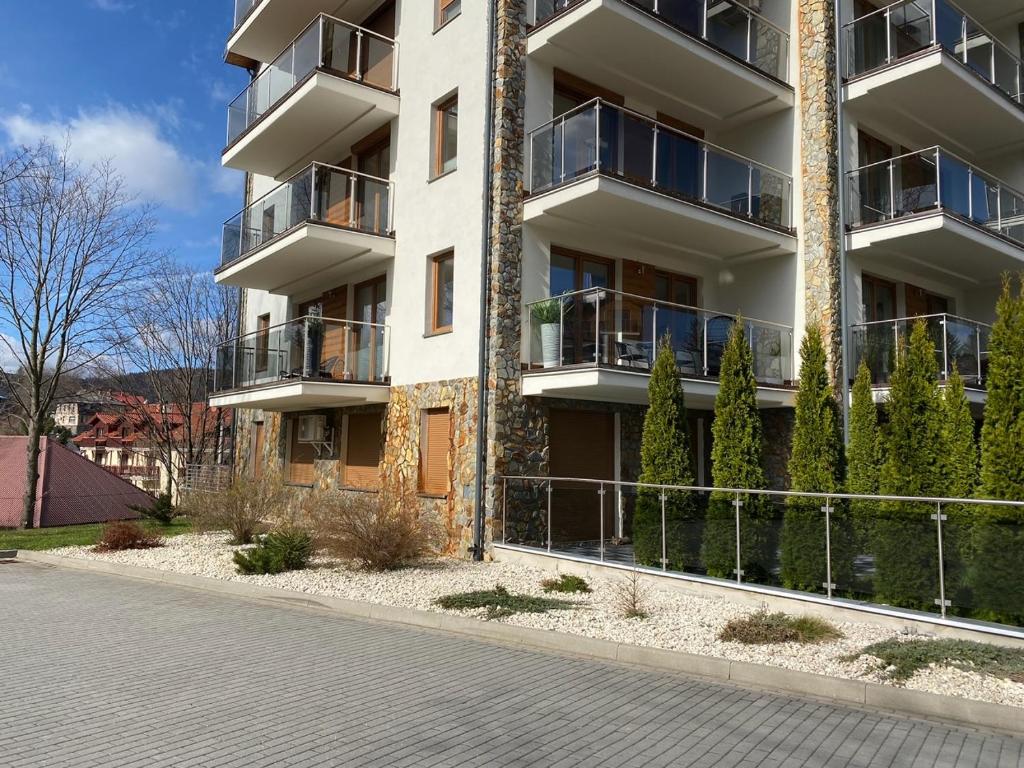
841, 128
485, 273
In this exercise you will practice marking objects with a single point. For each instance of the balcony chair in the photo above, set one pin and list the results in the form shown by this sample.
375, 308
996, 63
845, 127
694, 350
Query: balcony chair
633, 354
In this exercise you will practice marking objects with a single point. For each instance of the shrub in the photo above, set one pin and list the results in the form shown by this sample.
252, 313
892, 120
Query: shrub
244, 509
903, 540
285, 549
125, 534
665, 460
500, 603
161, 510
901, 659
379, 531
816, 466
763, 628
862, 455
630, 597
567, 583
999, 531
736, 463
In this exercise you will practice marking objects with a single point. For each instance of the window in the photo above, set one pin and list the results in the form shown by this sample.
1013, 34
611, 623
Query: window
362, 451
446, 136
262, 342
447, 10
435, 451
300, 470
442, 268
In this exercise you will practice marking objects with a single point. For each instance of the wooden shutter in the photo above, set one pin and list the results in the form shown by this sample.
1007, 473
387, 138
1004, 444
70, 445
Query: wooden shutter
257, 450
300, 458
435, 450
362, 454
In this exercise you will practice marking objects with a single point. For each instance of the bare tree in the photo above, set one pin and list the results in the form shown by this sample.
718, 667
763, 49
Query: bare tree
168, 336
72, 245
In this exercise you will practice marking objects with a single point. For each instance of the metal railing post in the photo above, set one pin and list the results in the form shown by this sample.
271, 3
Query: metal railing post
313, 195
549, 514
938, 178
944, 321
934, 24
597, 136
750, 191
970, 193
827, 509
892, 189
561, 162
600, 494
963, 37
359, 55
704, 22
597, 327
977, 347
664, 535
704, 344
750, 20
654, 158
352, 200
888, 36
942, 602
704, 175
739, 555
561, 331
654, 334
347, 368
320, 42
504, 509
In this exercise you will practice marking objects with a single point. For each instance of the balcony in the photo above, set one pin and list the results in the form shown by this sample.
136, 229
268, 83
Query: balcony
736, 61
263, 27
606, 168
333, 85
321, 223
959, 343
600, 345
926, 70
311, 362
936, 211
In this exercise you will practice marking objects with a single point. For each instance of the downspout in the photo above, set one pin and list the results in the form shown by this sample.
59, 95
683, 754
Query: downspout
485, 273
841, 218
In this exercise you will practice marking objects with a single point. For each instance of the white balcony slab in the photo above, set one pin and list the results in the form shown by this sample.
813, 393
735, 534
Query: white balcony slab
307, 256
273, 24
303, 395
601, 203
321, 117
933, 99
940, 245
623, 386
628, 51
976, 398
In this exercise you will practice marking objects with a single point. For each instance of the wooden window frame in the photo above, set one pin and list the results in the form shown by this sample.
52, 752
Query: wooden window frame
435, 304
879, 282
262, 351
679, 277
292, 423
578, 258
347, 481
441, 110
425, 488
442, 6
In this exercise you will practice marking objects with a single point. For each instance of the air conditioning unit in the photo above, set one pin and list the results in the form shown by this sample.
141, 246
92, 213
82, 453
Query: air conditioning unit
312, 429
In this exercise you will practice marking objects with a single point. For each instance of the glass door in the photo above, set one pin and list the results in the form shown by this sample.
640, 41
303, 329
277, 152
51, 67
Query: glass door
571, 272
370, 307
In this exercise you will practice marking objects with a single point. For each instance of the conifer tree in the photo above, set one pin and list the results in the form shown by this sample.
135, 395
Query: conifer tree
816, 465
999, 531
736, 463
959, 462
665, 460
863, 457
904, 540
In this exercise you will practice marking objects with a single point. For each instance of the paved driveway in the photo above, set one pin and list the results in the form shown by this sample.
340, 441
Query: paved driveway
105, 671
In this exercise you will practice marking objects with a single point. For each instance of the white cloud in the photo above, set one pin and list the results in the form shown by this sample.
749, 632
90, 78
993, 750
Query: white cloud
137, 143
8, 361
112, 5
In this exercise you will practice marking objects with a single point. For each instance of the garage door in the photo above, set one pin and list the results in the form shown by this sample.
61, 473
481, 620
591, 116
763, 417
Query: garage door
582, 445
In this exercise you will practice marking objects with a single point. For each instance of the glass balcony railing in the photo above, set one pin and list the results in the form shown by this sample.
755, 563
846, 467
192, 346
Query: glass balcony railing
242, 9
726, 24
322, 194
599, 137
959, 343
906, 27
307, 349
604, 328
931, 180
327, 44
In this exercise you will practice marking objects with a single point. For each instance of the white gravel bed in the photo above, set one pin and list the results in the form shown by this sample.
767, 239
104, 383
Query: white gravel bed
676, 621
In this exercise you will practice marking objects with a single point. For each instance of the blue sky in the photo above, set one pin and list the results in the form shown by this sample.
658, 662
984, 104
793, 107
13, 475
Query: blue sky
141, 82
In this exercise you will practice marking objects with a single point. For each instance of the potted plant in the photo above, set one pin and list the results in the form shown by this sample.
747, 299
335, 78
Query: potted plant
548, 315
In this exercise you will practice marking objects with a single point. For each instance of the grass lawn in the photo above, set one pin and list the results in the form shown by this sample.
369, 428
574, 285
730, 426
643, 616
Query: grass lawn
78, 535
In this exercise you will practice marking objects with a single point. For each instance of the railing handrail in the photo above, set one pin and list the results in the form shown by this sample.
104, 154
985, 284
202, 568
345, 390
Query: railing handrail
766, 492
981, 27
308, 169
942, 151
943, 315
295, 321
318, 19
603, 104
673, 305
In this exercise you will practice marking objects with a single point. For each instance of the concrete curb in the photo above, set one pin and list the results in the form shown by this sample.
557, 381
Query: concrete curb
978, 714
8, 554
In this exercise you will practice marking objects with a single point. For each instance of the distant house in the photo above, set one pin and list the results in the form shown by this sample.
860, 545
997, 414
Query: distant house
129, 442
75, 413
71, 490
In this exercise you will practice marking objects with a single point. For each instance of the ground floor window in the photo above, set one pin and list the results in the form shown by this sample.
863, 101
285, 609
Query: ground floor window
299, 469
362, 451
435, 451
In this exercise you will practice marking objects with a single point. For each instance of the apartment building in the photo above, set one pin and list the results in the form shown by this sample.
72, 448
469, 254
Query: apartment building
467, 224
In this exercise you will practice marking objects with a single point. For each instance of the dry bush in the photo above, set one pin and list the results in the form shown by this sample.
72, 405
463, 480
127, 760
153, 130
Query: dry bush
244, 509
379, 531
124, 534
764, 628
630, 597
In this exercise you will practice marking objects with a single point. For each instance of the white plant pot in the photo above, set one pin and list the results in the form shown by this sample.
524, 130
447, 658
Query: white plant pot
549, 333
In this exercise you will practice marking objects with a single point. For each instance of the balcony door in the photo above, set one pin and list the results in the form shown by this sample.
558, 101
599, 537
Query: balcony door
873, 187
373, 157
585, 326
370, 307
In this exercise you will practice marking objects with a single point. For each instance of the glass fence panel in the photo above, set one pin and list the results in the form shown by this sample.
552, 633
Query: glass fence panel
770, 346
875, 344
910, 28
1006, 73
685, 14
963, 349
231, 239
769, 48
871, 194
915, 179
866, 43
679, 164
761, 522
728, 27
949, 28
545, 9
242, 8
341, 46
1011, 206
378, 64
991, 541
546, 157
979, 51
771, 199
728, 183
578, 144
627, 146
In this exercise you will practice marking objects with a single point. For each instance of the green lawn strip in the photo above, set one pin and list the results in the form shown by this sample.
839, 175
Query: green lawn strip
39, 539
903, 658
500, 603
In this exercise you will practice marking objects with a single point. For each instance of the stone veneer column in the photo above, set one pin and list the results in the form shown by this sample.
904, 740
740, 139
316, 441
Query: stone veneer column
819, 135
